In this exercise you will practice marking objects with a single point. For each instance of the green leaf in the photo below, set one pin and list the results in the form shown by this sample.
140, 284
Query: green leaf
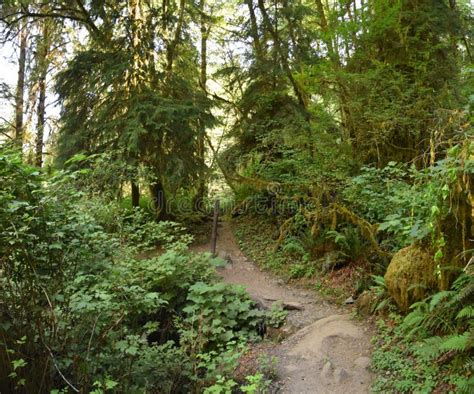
20, 363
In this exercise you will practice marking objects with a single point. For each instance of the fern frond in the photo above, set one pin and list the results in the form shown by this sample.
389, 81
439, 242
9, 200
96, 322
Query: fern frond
466, 385
379, 280
466, 293
430, 348
441, 322
413, 322
420, 305
467, 312
413, 318
382, 304
462, 281
438, 297
458, 343
469, 364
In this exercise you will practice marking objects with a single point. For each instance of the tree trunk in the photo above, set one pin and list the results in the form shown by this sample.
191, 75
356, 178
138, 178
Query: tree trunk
283, 54
41, 121
159, 200
259, 55
323, 23
202, 132
42, 65
20, 87
171, 47
135, 194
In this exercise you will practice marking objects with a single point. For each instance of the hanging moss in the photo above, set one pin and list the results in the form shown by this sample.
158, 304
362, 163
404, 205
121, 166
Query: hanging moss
368, 230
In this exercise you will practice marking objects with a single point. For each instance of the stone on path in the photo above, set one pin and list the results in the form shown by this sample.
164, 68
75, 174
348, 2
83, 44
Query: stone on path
292, 306
362, 362
349, 300
340, 374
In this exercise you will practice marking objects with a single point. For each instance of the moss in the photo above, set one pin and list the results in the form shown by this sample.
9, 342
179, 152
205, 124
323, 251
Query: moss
365, 303
410, 275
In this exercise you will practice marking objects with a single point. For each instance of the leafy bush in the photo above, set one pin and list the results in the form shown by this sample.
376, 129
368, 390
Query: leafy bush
349, 241
276, 315
78, 310
394, 197
219, 313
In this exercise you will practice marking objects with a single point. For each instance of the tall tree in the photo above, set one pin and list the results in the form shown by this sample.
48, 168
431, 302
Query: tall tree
20, 87
42, 63
139, 96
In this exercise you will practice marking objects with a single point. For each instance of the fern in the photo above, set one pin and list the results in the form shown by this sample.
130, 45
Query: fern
465, 385
430, 348
379, 281
466, 313
382, 305
467, 292
414, 322
420, 305
458, 343
435, 346
438, 297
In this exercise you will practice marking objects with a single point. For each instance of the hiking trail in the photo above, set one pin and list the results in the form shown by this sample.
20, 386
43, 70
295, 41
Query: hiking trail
327, 351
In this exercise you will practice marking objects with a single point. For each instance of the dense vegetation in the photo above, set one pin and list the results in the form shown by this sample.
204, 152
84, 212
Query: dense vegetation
339, 133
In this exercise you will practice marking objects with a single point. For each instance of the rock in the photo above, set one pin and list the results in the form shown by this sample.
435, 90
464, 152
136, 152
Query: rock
259, 304
276, 334
340, 374
331, 261
280, 282
362, 362
269, 298
327, 370
364, 303
410, 275
292, 306
349, 300
225, 256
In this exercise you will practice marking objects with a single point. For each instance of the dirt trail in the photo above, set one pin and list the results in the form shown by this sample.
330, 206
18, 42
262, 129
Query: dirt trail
328, 352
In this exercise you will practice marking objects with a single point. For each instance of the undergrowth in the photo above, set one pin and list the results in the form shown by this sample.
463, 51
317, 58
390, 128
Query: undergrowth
431, 349
257, 237
80, 311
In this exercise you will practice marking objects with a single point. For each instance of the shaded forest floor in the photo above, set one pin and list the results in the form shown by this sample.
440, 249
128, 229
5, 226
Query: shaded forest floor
320, 349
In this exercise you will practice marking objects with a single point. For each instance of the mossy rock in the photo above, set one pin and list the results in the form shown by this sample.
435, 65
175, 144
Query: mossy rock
365, 303
410, 275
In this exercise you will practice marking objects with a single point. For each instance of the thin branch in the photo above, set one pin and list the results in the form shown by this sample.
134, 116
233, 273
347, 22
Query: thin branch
7, 121
92, 334
59, 371
6, 135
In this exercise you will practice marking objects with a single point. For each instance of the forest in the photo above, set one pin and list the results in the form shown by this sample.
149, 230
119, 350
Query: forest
337, 138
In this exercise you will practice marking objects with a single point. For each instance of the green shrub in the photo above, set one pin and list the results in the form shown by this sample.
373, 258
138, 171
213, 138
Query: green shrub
78, 310
431, 346
394, 197
219, 313
276, 315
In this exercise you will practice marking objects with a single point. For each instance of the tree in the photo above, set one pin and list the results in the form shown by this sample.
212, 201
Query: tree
20, 88
143, 94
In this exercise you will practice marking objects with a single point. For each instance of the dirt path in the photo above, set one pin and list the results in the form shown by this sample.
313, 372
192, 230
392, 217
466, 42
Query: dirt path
328, 351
